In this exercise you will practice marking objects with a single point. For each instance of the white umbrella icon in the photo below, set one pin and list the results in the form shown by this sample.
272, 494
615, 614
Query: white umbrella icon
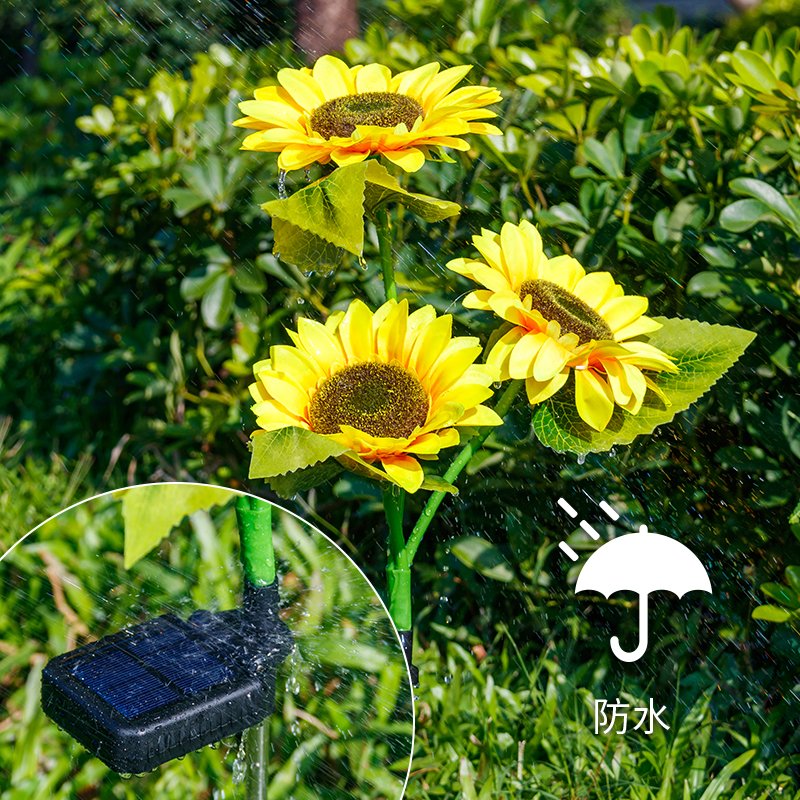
642, 562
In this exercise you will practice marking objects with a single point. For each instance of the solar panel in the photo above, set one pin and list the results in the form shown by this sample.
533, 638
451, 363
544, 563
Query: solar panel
166, 687
124, 683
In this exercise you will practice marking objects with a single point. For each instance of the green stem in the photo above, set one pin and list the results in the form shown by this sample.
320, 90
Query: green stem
398, 566
460, 461
256, 754
255, 532
384, 231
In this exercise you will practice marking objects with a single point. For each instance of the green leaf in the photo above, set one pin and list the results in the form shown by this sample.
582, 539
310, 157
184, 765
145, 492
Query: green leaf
753, 70
783, 594
217, 302
483, 557
289, 449
771, 613
296, 452
151, 512
703, 354
793, 577
770, 197
302, 480
743, 214
319, 224
717, 786
607, 157
382, 187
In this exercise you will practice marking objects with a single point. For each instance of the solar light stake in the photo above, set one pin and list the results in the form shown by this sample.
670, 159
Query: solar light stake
255, 533
258, 559
169, 686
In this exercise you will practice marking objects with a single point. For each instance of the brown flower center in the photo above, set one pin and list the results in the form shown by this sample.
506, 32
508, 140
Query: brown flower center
379, 399
340, 116
554, 302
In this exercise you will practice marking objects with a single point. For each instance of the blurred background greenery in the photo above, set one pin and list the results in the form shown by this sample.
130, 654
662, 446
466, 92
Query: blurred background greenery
343, 715
137, 288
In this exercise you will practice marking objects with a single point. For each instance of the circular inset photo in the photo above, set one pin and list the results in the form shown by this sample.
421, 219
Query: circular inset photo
178, 640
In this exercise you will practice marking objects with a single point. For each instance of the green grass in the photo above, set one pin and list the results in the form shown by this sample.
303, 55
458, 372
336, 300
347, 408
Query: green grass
517, 724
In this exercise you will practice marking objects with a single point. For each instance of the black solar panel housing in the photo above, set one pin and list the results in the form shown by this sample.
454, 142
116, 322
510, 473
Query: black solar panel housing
159, 690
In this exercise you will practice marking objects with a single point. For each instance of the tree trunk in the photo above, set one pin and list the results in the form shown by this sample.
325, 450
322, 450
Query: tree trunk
323, 26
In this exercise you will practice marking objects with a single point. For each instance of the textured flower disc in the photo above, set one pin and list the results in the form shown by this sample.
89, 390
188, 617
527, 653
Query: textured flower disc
379, 399
332, 112
390, 386
563, 322
342, 115
554, 302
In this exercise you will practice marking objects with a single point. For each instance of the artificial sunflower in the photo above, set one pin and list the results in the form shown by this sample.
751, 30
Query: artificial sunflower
563, 321
389, 385
340, 113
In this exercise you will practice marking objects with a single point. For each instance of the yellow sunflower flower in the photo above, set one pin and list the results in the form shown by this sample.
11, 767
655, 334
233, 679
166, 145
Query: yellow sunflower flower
389, 385
340, 113
564, 321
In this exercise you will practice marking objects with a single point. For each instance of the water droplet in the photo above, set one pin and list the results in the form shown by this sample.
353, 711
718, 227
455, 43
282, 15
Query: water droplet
282, 185
240, 763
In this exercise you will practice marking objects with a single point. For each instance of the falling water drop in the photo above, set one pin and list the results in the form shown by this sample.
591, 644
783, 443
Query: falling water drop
581, 459
282, 184
240, 762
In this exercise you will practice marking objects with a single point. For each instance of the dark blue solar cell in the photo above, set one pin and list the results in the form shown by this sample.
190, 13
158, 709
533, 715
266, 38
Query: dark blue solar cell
180, 660
123, 682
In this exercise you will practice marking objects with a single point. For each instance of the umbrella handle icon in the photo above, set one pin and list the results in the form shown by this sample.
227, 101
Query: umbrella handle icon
641, 648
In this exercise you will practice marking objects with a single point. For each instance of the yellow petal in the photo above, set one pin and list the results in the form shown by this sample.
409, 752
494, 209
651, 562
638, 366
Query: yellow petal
593, 399
515, 254
480, 417
443, 83
355, 332
272, 416
344, 157
520, 364
319, 343
391, 336
404, 471
333, 77
373, 78
595, 288
299, 156
305, 91
430, 344
638, 328
620, 312
478, 299
550, 360
431, 443
286, 393
618, 381
455, 359
413, 81
500, 354
566, 271
409, 160
539, 391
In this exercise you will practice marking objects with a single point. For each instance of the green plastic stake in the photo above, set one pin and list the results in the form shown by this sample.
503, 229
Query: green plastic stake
255, 533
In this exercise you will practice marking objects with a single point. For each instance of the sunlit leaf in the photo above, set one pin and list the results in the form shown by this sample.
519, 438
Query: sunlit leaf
151, 512
322, 222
